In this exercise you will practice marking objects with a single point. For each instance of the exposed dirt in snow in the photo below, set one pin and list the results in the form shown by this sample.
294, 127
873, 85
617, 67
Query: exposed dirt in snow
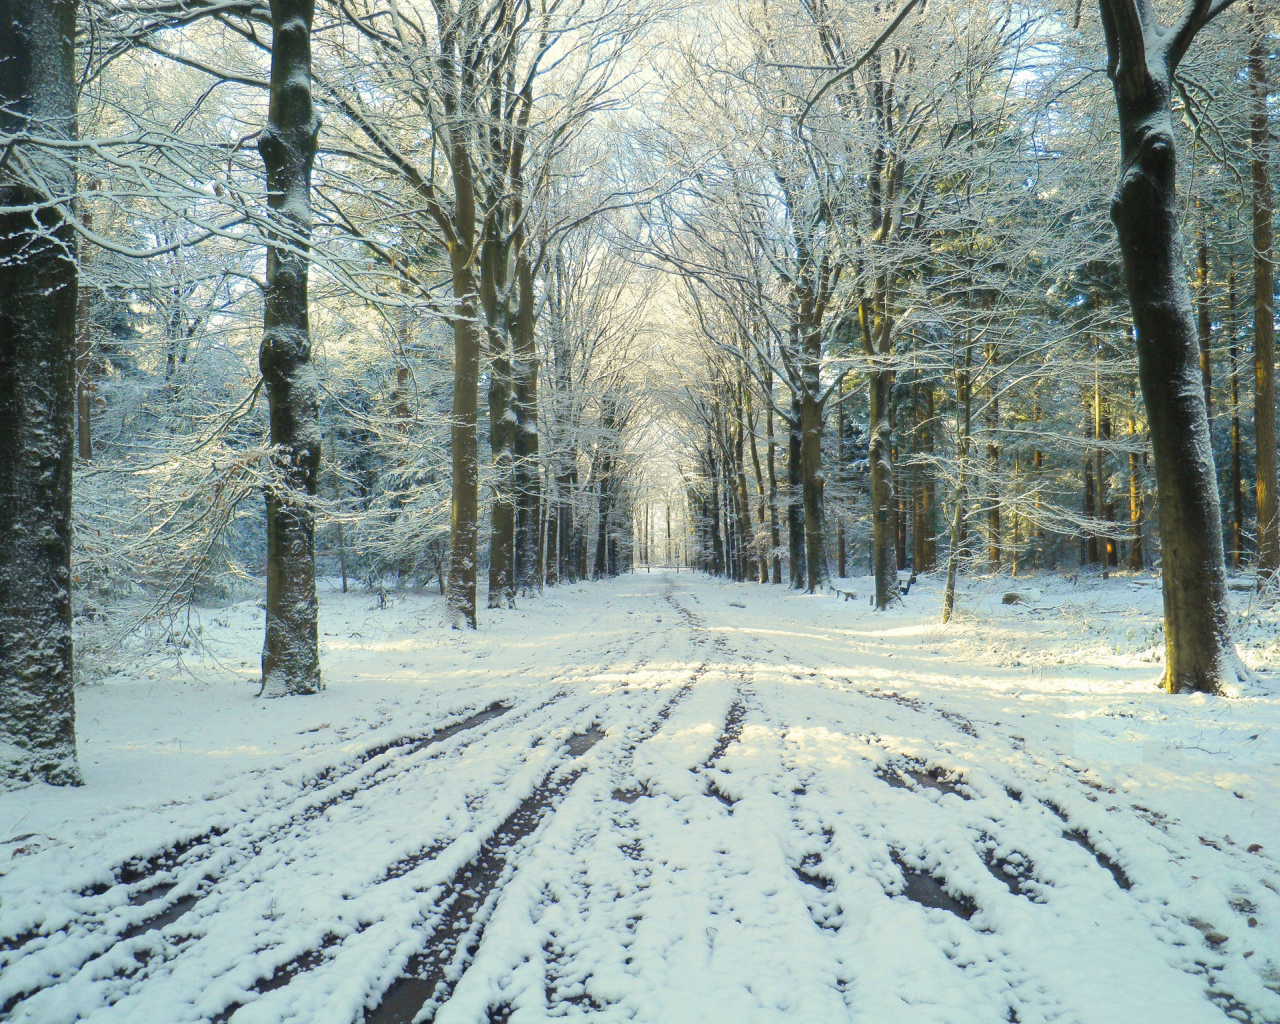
665, 799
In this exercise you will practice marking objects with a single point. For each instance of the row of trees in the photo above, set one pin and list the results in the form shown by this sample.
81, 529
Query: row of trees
911, 243
888, 218
427, 161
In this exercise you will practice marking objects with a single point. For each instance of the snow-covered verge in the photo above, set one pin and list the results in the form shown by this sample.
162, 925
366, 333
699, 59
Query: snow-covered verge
665, 799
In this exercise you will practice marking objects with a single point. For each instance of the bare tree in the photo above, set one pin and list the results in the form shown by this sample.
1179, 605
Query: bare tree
290, 652
1142, 56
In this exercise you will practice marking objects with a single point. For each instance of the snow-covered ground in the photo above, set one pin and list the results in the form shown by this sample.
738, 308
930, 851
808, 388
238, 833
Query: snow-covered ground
665, 799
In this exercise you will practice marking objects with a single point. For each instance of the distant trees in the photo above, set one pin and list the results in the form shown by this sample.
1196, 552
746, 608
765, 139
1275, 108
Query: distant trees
855, 266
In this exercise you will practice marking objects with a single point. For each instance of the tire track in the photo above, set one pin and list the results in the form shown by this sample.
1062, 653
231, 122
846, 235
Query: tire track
221, 864
430, 977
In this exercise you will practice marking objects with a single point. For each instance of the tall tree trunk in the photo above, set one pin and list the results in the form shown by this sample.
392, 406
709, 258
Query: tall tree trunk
528, 482
1237, 491
552, 565
465, 455
37, 404
964, 398
795, 497
745, 528
290, 652
502, 415
1103, 543
1264, 337
879, 454
762, 557
930, 512
1198, 649
502, 508
1090, 494
815, 555
993, 463
841, 562
882, 548
775, 532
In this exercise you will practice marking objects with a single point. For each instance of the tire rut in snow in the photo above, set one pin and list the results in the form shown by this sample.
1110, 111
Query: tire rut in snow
169, 912
462, 924
577, 745
138, 869
928, 891
472, 891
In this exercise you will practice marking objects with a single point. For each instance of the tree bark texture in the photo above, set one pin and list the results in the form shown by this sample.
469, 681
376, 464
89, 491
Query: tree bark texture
795, 500
37, 404
1264, 345
502, 419
525, 395
1199, 654
775, 532
882, 550
290, 652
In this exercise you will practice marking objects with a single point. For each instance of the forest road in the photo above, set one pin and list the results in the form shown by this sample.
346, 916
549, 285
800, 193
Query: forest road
711, 807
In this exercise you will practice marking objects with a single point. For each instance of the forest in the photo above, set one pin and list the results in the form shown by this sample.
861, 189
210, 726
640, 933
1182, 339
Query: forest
645, 350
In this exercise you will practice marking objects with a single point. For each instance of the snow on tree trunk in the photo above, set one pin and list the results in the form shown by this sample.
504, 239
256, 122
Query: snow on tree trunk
883, 568
1264, 356
525, 388
461, 589
290, 655
1199, 654
37, 400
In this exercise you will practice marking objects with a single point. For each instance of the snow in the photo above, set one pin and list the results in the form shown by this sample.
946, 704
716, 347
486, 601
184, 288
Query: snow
759, 789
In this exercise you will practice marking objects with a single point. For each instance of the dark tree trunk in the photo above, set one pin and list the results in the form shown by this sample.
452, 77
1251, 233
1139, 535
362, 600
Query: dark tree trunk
290, 652
1264, 357
1198, 648
930, 518
795, 499
762, 557
525, 381
464, 527
775, 532
749, 567
886, 578
815, 556
875, 341
993, 464
841, 553
37, 405
1237, 491
502, 416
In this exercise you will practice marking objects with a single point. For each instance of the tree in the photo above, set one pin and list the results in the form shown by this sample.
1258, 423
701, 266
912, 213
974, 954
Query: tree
1142, 56
37, 392
290, 652
1264, 354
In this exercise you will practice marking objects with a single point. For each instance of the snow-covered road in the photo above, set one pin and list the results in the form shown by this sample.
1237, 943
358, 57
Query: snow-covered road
663, 799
